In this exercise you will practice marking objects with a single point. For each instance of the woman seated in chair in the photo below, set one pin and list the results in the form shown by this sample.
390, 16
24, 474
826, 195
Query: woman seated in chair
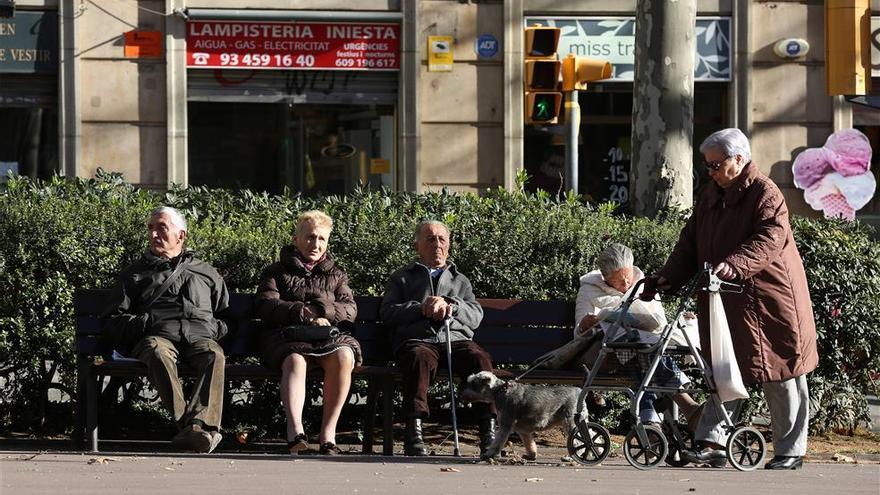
306, 288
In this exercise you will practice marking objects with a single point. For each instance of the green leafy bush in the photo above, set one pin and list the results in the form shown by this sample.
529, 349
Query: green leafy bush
62, 235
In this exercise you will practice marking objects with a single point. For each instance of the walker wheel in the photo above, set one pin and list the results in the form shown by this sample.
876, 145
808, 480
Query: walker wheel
589, 451
746, 448
648, 455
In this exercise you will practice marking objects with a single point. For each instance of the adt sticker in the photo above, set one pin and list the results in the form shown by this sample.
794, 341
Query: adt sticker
486, 46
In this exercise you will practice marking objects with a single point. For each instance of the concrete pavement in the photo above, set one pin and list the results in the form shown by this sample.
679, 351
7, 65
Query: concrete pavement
133, 473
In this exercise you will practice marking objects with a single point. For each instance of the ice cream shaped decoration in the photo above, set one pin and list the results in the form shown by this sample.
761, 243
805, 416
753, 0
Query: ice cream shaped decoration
837, 178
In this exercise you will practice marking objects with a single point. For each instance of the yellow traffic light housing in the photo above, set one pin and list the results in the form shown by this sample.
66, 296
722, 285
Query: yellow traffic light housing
543, 108
542, 99
578, 71
541, 42
847, 47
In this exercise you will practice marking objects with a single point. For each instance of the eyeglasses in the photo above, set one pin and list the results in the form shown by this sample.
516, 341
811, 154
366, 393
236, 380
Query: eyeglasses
714, 166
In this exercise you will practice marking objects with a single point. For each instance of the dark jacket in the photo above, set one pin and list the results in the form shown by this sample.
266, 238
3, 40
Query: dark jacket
408, 287
189, 310
286, 287
771, 321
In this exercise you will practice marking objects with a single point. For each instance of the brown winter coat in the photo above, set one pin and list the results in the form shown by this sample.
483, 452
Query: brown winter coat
771, 321
286, 287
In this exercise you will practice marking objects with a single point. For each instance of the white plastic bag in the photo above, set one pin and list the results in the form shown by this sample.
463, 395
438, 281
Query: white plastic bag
725, 370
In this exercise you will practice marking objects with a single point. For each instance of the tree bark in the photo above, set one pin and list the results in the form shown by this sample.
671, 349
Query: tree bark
663, 106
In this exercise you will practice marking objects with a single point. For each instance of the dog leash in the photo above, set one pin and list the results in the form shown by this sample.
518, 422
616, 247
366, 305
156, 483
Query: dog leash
532, 368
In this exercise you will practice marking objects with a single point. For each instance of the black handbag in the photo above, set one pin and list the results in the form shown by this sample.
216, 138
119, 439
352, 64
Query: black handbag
308, 333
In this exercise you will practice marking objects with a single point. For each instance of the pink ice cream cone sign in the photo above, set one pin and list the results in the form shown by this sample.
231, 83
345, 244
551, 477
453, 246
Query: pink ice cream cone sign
837, 178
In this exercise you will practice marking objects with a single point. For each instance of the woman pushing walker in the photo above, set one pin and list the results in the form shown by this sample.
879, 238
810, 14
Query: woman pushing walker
740, 225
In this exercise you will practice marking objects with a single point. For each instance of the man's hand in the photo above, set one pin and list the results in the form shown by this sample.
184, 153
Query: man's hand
436, 308
321, 322
725, 271
587, 323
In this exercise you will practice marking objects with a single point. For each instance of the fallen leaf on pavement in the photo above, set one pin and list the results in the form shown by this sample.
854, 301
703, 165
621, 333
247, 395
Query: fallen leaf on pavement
449, 470
842, 458
101, 460
534, 480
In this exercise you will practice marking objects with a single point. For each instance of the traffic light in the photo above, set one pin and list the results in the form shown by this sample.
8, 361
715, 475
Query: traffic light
7, 8
578, 71
848, 47
542, 99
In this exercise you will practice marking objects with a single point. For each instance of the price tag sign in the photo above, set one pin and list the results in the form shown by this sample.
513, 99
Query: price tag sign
293, 45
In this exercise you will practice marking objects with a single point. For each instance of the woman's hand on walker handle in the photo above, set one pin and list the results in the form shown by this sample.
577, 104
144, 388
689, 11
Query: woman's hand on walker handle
725, 271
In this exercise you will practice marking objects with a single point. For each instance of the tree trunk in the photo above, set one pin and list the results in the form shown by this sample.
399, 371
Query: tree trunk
663, 106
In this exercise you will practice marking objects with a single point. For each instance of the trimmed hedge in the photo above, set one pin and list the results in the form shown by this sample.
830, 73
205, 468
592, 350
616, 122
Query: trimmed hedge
61, 235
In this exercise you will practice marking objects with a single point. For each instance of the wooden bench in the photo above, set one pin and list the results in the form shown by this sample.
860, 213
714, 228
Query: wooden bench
513, 332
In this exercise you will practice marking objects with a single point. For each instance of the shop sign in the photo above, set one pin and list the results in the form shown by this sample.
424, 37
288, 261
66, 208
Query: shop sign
143, 44
613, 39
440, 56
293, 45
29, 43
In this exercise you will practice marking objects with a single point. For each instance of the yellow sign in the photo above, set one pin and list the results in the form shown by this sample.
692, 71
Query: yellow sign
380, 166
439, 53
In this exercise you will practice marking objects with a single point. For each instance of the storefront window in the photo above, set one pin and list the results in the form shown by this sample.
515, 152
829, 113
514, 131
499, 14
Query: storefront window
604, 151
309, 148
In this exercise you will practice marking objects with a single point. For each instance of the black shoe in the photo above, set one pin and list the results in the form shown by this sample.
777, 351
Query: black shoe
413, 444
706, 455
486, 434
785, 462
329, 448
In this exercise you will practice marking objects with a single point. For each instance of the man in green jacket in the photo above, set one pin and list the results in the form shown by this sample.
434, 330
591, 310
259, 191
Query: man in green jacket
166, 304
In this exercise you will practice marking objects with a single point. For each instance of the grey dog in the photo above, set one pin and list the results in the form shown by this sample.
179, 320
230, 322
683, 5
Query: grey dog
522, 408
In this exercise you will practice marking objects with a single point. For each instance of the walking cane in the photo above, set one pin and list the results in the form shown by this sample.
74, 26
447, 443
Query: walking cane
455, 451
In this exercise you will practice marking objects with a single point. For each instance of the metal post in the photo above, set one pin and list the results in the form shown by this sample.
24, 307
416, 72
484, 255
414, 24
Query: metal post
572, 128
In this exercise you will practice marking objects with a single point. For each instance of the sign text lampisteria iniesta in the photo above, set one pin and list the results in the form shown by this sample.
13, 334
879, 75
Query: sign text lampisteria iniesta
293, 45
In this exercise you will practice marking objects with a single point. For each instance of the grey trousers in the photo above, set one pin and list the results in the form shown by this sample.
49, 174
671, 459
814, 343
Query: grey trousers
789, 404
206, 358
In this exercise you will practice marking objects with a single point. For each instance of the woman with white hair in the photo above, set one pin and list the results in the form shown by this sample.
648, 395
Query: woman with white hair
601, 292
740, 226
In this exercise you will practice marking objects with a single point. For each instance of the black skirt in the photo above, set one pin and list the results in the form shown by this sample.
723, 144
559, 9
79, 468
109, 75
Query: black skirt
276, 348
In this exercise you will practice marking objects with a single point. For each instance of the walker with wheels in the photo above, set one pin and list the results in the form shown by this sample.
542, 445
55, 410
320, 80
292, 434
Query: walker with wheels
646, 368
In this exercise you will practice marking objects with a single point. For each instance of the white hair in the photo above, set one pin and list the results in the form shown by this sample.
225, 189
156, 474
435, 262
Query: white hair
176, 217
613, 258
729, 141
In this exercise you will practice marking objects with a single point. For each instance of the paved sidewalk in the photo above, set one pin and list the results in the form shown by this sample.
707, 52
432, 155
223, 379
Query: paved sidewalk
132, 473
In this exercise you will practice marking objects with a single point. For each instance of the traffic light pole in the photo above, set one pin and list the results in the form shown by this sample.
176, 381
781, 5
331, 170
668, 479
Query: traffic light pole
572, 127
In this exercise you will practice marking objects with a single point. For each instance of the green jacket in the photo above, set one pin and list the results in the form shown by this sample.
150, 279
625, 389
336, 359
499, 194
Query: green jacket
189, 310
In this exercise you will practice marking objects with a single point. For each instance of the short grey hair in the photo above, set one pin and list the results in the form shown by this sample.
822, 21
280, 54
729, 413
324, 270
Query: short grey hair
613, 258
730, 141
425, 223
176, 217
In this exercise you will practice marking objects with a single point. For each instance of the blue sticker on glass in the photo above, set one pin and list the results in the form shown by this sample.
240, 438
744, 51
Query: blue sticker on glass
486, 46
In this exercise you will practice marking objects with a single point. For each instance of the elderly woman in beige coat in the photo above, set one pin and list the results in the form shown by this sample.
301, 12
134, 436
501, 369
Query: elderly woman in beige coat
600, 295
740, 225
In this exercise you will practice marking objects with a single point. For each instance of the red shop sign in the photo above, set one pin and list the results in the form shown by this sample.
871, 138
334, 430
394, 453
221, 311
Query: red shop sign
292, 45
